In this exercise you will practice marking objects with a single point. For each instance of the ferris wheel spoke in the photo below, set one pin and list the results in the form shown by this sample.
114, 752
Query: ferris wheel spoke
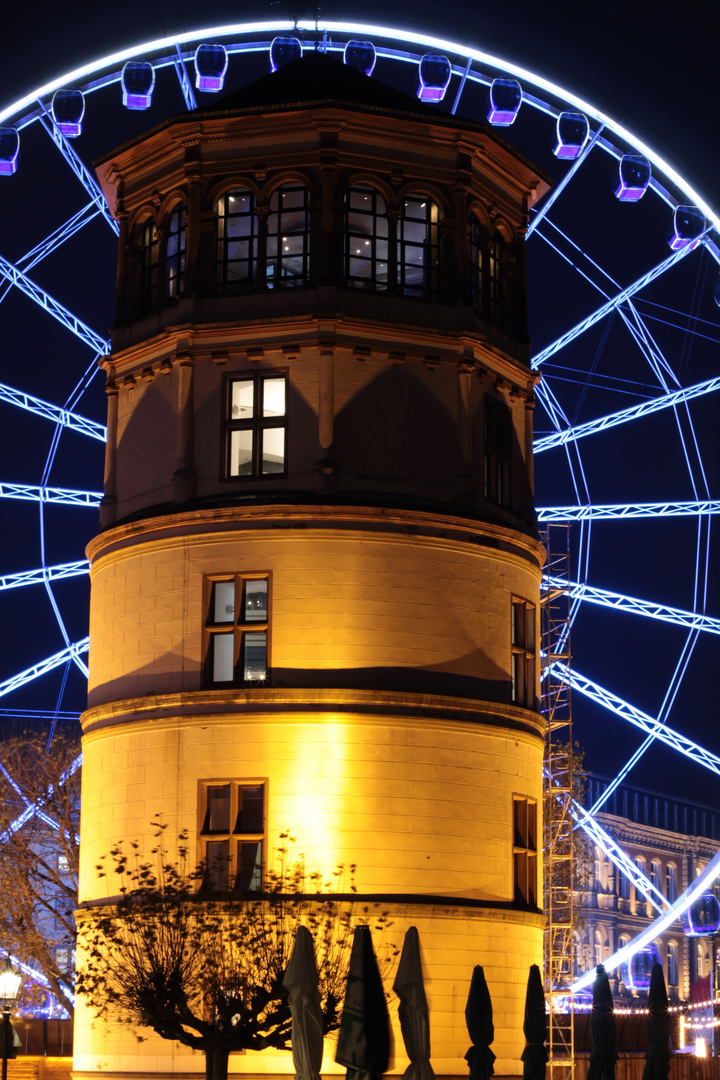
64, 496
559, 188
185, 85
48, 411
647, 345
22, 678
53, 307
574, 259
44, 573
584, 820
602, 511
606, 598
624, 416
80, 170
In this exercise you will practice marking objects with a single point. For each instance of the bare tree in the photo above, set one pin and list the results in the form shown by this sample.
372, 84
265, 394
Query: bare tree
205, 968
39, 841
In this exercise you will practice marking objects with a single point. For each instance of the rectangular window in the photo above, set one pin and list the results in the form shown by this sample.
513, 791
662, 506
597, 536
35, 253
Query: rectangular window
236, 630
255, 426
525, 851
523, 653
232, 835
497, 440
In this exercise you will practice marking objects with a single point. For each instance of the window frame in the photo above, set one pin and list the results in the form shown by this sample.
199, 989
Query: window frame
523, 652
524, 826
374, 238
223, 241
149, 263
257, 424
233, 836
174, 270
430, 246
238, 626
476, 265
277, 280
497, 452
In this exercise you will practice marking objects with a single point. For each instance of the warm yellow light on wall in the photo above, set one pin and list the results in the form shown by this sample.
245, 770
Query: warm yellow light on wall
700, 1048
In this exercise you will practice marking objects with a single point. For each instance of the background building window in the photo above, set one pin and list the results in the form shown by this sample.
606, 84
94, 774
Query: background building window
232, 835
672, 965
175, 254
670, 883
418, 247
655, 871
366, 239
237, 233
236, 630
497, 452
255, 426
525, 851
623, 886
522, 623
150, 259
288, 237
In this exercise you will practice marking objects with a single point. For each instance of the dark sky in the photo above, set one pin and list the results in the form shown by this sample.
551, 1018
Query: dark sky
650, 63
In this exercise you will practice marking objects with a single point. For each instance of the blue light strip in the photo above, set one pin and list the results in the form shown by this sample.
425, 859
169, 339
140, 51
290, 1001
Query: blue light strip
636, 716
53, 307
64, 496
690, 619
607, 308
617, 856
87, 180
34, 672
64, 417
39, 714
185, 84
702, 882
559, 188
603, 511
624, 416
45, 573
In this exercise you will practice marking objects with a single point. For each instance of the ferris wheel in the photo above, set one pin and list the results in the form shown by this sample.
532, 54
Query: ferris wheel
623, 304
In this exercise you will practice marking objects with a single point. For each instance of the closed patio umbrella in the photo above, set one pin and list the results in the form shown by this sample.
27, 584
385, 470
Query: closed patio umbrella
364, 1036
301, 983
602, 1029
534, 1056
657, 1059
413, 1009
479, 1020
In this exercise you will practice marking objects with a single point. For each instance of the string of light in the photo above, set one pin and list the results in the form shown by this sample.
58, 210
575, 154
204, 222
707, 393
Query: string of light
625, 1011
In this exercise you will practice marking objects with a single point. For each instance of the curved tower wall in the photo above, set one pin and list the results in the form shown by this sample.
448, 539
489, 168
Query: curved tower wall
395, 726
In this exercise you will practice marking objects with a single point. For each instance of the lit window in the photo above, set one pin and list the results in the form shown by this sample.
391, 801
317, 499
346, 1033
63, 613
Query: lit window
655, 870
525, 851
672, 965
418, 247
232, 835
495, 277
497, 451
366, 239
62, 960
63, 864
288, 237
623, 886
175, 254
150, 258
523, 653
237, 234
475, 265
236, 631
599, 948
670, 883
255, 418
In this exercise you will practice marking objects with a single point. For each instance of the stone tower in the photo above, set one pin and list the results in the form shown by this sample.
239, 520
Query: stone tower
315, 592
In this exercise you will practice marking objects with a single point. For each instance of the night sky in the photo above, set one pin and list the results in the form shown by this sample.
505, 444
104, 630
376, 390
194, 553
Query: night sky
653, 66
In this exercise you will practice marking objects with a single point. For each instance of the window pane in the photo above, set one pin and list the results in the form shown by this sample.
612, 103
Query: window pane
255, 605
241, 453
250, 809
223, 602
530, 628
273, 450
532, 826
255, 656
249, 875
241, 399
217, 818
222, 657
217, 854
520, 818
273, 397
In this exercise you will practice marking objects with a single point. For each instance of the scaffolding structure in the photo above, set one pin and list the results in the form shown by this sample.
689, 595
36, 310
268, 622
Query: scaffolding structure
558, 870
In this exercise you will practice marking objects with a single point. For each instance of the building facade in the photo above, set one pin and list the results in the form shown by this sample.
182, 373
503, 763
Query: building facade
671, 841
315, 595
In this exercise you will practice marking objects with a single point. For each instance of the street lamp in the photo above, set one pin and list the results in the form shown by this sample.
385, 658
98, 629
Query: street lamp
9, 988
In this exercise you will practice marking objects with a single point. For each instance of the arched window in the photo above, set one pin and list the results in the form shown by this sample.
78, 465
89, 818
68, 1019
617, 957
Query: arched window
175, 253
623, 887
597, 869
418, 247
639, 898
655, 870
672, 965
599, 948
237, 232
671, 883
150, 258
475, 265
288, 237
703, 960
366, 239
495, 277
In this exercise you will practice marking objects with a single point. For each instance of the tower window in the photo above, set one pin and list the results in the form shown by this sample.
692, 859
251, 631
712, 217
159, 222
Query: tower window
475, 265
495, 278
232, 835
236, 631
522, 620
237, 234
288, 238
525, 850
255, 426
497, 452
175, 254
366, 239
150, 260
418, 247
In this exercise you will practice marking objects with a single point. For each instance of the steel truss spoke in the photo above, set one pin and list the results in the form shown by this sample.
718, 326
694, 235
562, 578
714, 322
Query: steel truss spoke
64, 496
72, 652
86, 178
64, 417
53, 307
185, 84
637, 717
559, 188
628, 510
45, 573
617, 856
690, 619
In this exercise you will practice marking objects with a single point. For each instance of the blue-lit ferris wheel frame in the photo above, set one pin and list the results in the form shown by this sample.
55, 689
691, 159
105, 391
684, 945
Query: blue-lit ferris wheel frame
666, 183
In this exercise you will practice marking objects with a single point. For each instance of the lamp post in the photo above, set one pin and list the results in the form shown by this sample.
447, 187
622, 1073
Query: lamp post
9, 987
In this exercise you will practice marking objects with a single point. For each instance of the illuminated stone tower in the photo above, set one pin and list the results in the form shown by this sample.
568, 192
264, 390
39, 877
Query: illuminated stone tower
315, 592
